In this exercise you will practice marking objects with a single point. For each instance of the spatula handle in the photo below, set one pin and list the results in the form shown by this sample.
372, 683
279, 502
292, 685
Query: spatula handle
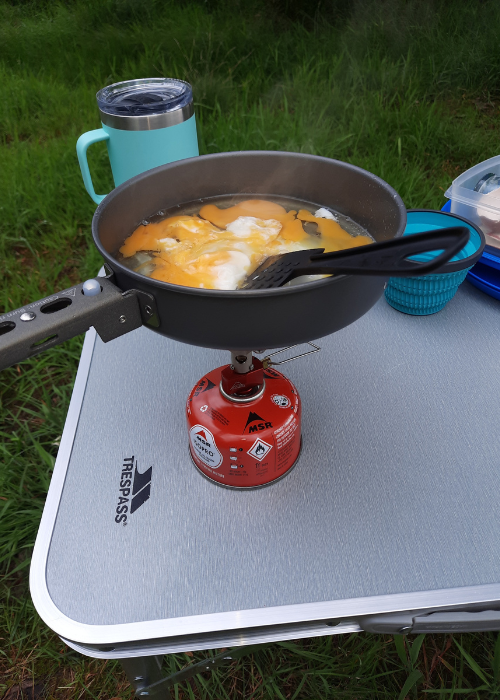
390, 258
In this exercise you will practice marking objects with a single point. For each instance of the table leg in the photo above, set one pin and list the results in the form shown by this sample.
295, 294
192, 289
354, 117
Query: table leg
142, 672
138, 669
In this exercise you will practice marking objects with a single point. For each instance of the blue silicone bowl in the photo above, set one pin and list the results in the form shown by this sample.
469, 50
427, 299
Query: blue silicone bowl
421, 296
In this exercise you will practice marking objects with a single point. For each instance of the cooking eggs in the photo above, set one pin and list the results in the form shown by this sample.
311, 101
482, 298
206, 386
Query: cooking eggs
219, 247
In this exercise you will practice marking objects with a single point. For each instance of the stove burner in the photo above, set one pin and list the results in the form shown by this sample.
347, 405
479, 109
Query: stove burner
255, 393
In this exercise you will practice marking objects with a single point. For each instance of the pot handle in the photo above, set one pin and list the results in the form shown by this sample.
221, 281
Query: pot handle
390, 258
82, 144
41, 325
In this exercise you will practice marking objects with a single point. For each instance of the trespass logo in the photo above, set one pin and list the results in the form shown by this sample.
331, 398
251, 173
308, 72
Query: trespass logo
135, 489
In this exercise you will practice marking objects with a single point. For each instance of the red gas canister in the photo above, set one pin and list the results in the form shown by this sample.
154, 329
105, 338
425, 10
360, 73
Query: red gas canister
239, 441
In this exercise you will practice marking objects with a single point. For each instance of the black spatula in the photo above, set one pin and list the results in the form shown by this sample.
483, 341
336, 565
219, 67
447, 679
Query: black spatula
386, 259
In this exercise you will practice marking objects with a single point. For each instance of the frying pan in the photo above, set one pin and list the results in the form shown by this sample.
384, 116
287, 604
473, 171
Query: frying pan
231, 320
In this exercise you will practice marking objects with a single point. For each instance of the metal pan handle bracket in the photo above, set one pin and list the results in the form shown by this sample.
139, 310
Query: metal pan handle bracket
41, 325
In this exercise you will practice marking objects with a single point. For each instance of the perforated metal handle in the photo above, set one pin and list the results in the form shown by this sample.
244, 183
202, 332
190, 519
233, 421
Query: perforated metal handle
43, 324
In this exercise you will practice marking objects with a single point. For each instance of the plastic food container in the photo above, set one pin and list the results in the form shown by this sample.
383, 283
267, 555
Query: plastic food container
421, 296
475, 195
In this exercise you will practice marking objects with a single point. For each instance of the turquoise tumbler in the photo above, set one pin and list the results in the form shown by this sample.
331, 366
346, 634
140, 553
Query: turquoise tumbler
145, 123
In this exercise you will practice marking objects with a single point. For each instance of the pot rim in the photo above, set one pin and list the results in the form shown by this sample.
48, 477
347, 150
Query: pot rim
231, 293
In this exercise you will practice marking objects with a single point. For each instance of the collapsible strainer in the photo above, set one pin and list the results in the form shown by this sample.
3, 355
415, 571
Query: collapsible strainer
421, 296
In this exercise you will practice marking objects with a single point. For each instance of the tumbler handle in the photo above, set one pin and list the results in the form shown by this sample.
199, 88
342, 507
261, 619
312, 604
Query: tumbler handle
82, 144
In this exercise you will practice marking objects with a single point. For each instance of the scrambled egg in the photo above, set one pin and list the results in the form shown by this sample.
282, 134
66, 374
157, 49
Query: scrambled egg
219, 248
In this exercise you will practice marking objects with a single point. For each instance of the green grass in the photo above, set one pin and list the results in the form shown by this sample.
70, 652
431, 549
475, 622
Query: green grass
407, 89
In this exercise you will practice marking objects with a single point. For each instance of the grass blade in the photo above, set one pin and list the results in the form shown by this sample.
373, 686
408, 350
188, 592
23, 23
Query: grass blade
496, 659
412, 680
473, 664
415, 648
456, 691
399, 642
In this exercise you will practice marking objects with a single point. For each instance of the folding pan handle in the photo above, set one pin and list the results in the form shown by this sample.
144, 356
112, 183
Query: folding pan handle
390, 258
43, 324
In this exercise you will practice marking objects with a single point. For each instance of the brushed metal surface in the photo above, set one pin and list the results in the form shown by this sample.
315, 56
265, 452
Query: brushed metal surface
147, 122
214, 640
395, 491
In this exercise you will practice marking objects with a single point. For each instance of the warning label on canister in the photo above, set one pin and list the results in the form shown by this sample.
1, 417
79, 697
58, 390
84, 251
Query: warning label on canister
204, 447
259, 449
286, 432
280, 400
286, 442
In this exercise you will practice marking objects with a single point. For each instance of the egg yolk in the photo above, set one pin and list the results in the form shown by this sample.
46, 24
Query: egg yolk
260, 208
219, 248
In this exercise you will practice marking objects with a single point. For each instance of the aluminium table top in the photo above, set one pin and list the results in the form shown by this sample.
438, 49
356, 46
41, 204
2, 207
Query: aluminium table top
393, 504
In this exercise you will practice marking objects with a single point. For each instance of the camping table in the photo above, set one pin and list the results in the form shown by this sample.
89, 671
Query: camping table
388, 523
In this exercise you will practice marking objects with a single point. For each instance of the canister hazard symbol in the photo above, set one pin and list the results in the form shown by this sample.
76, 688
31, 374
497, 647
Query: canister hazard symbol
259, 450
204, 447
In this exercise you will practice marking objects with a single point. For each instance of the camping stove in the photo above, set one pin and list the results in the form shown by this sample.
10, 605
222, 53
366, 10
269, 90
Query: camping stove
244, 422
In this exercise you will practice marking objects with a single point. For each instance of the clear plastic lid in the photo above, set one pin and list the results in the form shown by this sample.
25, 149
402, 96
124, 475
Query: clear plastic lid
478, 186
475, 195
144, 97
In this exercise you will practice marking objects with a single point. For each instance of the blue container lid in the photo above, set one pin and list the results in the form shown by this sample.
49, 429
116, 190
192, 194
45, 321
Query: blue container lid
482, 275
420, 220
486, 278
491, 257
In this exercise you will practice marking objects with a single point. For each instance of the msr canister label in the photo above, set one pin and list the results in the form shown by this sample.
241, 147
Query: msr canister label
204, 447
287, 442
